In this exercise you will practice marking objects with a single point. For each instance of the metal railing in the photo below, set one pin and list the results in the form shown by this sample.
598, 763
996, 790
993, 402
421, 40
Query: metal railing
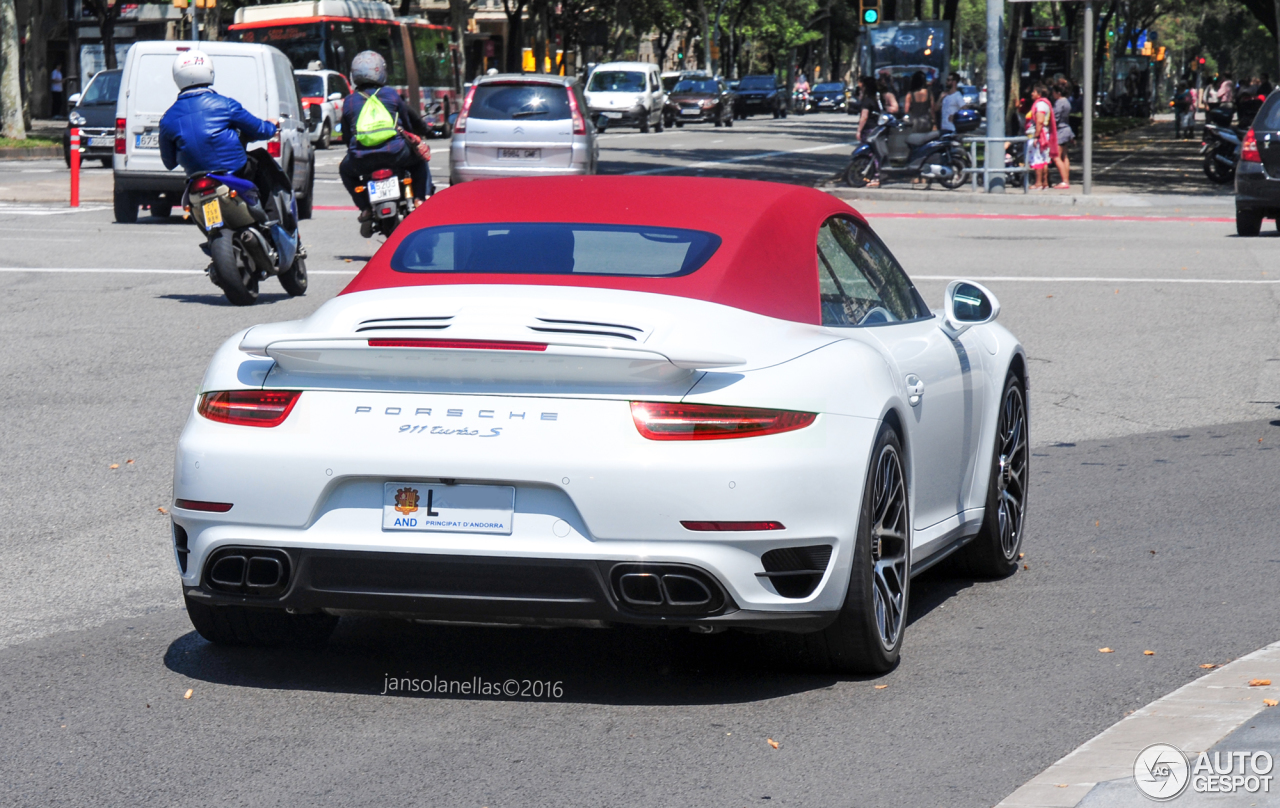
987, 170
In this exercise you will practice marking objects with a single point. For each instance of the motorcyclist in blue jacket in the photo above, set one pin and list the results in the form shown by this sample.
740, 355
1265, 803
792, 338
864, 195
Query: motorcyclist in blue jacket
202, 130
369, 73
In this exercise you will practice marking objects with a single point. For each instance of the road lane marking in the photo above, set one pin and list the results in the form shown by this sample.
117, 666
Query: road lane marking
139, 271
1048, 217
33, 210
742, 159
1068, 279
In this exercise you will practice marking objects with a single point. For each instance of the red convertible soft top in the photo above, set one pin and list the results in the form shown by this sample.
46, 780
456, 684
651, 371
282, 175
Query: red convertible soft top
766, 264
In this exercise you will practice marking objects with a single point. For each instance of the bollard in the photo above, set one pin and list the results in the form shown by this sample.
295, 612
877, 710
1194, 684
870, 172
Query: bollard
75, 167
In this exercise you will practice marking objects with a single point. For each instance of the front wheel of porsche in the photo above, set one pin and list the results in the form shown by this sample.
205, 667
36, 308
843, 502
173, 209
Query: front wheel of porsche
263, 628
867, 635
993, 553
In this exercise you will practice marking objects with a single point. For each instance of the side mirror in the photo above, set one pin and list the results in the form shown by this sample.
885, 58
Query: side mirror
335, 96
73, 99
967, 304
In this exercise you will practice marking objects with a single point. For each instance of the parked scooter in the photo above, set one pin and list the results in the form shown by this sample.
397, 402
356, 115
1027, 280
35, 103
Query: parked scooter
248, 238
891, 150
1221, 150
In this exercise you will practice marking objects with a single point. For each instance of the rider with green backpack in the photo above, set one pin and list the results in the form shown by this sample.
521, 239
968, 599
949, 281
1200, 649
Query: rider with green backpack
374, 120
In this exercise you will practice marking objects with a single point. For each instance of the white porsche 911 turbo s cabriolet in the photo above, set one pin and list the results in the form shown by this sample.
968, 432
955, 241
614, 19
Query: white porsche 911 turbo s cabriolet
717, 404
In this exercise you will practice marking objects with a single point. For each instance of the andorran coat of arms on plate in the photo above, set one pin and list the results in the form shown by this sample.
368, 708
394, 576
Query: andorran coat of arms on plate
407, 500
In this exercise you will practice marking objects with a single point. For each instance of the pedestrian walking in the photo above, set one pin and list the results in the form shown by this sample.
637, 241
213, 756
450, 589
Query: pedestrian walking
1062, 124
1042, 136
55, 91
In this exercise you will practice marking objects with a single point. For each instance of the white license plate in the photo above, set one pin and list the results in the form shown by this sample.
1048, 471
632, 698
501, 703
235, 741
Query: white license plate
690, 111
613, 114
147, 140
448, 508
519, 154
384, 190
107, 141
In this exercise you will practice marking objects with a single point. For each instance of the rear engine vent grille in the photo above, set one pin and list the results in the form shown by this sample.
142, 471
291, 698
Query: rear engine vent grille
406, 324
180, 546
796, 571
586, 327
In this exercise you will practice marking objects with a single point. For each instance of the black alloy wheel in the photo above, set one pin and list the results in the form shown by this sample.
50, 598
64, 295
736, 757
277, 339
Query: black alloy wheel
993, 553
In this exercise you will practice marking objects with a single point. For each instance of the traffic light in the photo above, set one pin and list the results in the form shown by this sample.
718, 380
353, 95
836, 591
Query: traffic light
869, 12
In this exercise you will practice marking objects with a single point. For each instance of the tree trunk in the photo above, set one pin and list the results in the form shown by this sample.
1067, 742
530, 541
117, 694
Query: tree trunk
1013, 69
515, 35
539, 35
458, 21
11, 124
706, 34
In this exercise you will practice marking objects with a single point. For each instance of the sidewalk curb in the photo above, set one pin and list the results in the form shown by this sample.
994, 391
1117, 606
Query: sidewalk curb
31, 153
1193, 718
1016, 197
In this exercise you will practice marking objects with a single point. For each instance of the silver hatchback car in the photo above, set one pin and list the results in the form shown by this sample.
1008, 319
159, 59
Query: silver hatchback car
522, 125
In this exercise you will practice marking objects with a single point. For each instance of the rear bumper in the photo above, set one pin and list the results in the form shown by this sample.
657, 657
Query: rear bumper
452, 588
621, 117
464, 173
1255, 190
158, 182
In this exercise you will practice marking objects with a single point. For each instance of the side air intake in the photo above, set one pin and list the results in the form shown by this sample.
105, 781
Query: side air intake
796, 571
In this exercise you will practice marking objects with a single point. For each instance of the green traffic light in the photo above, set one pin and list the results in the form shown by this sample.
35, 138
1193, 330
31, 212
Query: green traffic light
870, 16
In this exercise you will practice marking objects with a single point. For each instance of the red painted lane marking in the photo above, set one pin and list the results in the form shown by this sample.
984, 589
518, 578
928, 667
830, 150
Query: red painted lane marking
1047, 217
353, 207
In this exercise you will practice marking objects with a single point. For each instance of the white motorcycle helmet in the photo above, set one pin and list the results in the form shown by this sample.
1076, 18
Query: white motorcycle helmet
191, 69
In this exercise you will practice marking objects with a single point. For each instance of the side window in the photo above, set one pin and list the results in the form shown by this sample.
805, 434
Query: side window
338, 85
287, 87
653, 82
859, 280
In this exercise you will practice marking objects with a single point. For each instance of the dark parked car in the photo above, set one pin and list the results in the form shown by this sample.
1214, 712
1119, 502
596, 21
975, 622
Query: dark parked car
829, 97
94, 112
760, 95
1258, 172
702, 100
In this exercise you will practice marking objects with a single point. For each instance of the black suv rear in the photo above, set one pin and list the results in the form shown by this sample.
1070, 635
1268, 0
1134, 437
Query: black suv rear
1258, 172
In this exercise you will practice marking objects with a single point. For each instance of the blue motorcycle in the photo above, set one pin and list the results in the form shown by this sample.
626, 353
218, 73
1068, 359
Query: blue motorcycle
249, 238
890, 150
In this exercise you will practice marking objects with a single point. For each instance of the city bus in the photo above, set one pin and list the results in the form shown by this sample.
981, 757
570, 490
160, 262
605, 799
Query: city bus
420, 61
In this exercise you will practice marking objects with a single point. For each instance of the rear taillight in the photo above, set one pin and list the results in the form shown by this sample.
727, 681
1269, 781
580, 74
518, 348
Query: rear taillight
249, 407
460, 125
662, 421
204, 185
460, 344
273, 145
579, 123
382, 174
120, 124
1249, 148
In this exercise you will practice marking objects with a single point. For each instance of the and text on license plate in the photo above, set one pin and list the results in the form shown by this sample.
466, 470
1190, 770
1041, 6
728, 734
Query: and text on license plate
383, 190
519, 154
147, 140
212, 214
448, 508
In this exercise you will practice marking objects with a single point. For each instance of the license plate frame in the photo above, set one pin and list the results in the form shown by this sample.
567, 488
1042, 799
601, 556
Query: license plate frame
384, 190
691, 111
212, 214
101, 141
149, 139
519, 154
439, 508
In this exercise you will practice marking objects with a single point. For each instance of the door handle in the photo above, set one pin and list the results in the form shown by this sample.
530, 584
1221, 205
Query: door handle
915, 389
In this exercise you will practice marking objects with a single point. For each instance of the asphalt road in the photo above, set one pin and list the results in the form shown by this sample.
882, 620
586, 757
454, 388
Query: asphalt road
1155, 425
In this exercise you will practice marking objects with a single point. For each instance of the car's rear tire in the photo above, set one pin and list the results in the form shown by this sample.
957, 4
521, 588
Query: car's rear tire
993, 553
866, 637
728, 121
294, 280
234, 270
679, 124
126, 207
657, 127
106, 162
263, 628
1249, 222
307, 200
644, 125
161, 211
326, 136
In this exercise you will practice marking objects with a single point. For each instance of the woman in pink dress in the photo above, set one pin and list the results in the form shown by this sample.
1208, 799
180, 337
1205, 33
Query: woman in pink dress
1042, 134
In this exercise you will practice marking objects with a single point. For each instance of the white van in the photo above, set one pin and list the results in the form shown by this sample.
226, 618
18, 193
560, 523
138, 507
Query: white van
258, 76
626, 94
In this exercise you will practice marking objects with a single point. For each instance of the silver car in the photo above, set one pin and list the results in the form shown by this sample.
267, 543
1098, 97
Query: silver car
522, 125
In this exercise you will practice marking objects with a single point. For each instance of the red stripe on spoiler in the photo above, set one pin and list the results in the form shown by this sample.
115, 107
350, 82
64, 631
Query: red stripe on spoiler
462, 344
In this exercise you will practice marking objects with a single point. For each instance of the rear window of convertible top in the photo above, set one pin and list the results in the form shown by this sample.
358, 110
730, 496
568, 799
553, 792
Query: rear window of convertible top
555, 248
